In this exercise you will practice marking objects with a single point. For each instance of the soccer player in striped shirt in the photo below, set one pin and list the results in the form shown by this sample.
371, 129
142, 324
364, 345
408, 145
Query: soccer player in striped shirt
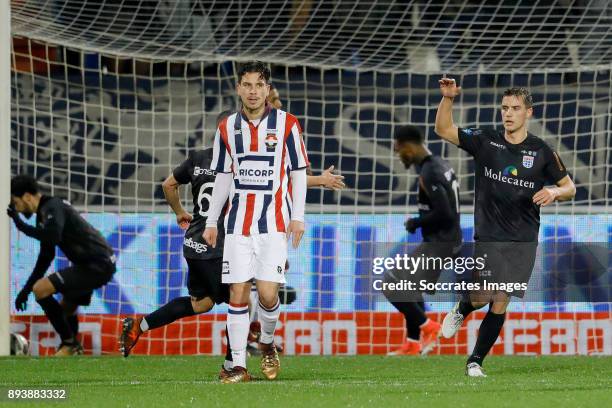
260, 149
326, 179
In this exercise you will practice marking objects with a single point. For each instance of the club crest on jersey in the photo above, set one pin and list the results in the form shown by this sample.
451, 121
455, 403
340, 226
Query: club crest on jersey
527, 162
271, 142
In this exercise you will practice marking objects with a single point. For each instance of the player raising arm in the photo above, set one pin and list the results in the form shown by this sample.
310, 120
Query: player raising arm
514, 170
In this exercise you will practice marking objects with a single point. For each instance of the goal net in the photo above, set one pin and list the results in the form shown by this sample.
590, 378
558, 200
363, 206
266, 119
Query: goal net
108, 96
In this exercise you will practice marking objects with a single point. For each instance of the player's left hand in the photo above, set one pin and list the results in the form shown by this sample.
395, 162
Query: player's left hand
12, 212
296, 228
546, 196
331, 180
411, 225
21, 302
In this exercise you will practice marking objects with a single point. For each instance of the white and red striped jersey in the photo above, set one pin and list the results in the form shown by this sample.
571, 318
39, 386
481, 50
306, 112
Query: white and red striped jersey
260, 158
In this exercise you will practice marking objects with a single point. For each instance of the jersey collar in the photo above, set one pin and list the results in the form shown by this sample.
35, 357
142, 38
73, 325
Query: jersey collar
266, 112
425, 160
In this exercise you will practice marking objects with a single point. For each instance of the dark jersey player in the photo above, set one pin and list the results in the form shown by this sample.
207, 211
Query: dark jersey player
93, 262
516, 174
204, 262
438, 219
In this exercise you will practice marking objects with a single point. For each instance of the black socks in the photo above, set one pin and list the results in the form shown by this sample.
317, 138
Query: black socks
57, 318
487, 335
171, 311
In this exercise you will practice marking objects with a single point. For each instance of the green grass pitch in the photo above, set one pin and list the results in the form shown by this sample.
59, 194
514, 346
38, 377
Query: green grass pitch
360, 381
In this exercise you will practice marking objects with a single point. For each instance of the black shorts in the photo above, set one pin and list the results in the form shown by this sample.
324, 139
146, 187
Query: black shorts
204, 280
77, 283
429, 272
507, 263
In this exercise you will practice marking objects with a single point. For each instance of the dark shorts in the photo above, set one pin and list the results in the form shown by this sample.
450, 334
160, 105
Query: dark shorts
441, 250
77, 283
204, 280
508, 263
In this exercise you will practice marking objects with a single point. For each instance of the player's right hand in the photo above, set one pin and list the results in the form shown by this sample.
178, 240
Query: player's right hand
210, 236
21, 302
331, 180
449, 88
295, 231
184, 219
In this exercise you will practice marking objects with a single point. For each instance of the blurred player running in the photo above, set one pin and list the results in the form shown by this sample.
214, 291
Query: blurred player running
513, 171
204, 262
438, 203
255, 149
93, 262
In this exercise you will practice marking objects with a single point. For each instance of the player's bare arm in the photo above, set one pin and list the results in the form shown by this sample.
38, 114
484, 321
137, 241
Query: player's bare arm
444, 116
327, 179
221, 190
171, 188
563, 191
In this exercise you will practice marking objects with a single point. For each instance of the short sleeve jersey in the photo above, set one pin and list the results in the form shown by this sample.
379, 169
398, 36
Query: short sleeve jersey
195, 170
507, 177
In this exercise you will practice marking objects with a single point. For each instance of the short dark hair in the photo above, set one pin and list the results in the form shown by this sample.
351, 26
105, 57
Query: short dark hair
22, 184
522, 92
254, 66
409, 134
223, 115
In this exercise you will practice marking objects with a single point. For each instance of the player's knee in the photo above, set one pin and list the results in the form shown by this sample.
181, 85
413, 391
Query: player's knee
240, 292
478, 305
498, 307
269, 300
43, 288
201, 305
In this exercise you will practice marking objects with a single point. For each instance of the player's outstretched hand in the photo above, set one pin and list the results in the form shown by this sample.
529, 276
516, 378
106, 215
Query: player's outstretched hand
449, 88
210, 236
296, 228
410, 225
545, 196
331, 180
184, 219
21, 302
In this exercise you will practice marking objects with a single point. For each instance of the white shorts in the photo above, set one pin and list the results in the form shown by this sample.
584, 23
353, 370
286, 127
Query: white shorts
259, 256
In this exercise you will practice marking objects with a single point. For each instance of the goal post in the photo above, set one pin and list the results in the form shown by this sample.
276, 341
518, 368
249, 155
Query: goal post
5, 173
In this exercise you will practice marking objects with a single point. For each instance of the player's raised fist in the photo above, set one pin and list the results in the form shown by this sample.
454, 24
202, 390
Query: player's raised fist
210, 236
449, 88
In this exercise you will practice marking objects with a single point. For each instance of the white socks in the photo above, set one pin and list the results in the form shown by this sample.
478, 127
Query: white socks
238, 331
268, 319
